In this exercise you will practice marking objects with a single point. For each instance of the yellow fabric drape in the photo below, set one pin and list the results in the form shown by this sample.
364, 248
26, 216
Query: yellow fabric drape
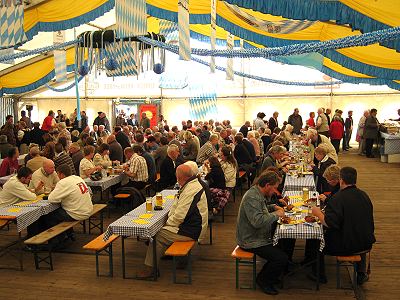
340, 69
33, 72
384, 11
58, 10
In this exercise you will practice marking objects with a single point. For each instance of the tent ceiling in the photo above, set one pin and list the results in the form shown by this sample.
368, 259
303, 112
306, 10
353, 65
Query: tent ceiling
375, 64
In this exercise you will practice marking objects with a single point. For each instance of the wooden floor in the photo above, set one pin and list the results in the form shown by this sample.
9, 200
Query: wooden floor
213, 269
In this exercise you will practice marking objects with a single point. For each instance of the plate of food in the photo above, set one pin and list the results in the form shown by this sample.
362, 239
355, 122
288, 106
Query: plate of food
289, 221
289, 208
311, 219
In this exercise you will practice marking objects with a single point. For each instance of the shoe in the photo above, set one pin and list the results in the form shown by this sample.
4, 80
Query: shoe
313, 277
370, 156
345, 149
268, 289
362, 277
350, 147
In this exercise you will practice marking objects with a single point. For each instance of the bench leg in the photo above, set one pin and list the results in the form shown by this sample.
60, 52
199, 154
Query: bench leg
211, 233
318, 270
46, 259
99, 225
355, 277
20, 257
84, 226
110, 261
337, 274
155, 266
97, 264
254, 271
174, 269
190, 267
123, 257
237, 273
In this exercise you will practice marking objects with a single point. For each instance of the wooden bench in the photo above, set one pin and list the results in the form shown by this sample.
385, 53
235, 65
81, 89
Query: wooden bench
49, 234
98, 245
181, 249
347, 261
4, 223
243, 257
241, 175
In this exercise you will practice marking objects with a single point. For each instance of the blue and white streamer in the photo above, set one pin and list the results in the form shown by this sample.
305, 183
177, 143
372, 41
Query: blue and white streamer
12, 24
346, 42
229, 63
7, 52
184, 29
203, 104
124, 54
213, 35
169, 30
131, 17
60, 65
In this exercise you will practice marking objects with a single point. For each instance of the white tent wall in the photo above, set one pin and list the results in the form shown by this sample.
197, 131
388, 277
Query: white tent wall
41, 107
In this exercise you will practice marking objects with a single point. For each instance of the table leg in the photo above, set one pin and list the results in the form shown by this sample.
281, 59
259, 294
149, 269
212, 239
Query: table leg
318, 268
155, 267
21, 250
123, 257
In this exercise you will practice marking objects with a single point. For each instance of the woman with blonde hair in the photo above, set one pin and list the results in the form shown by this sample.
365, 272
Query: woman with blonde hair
191, 148
254, 142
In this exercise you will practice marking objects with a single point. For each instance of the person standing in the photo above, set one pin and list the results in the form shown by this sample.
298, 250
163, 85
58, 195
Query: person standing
49, 122
296, 121
360, 133
145, 121
8, 129
253, 231
259, 121
273, 121
336, 133
371, 132
327, 114
322, 125
26, 119
348, 129
132, 120
245, 128
311, 122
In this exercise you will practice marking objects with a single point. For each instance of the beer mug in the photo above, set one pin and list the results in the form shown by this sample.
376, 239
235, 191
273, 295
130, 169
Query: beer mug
159, 200
305, 194
149, 204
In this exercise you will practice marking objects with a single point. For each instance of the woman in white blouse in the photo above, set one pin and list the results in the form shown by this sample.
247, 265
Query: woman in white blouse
101, 158
229, 166
86, 166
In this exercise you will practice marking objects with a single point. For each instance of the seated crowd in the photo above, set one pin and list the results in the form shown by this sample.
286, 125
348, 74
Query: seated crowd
168, 157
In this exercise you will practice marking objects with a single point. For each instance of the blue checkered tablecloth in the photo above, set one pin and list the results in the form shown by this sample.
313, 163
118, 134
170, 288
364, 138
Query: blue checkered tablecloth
299, 231
28, 212
391, 143
298, 183
105, 182
125, 226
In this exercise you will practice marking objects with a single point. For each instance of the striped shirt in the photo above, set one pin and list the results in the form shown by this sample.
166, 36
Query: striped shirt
205, 152
138, 168
63, 158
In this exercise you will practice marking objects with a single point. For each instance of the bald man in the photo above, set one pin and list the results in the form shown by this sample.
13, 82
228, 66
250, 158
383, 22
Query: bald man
46, 175
187, 219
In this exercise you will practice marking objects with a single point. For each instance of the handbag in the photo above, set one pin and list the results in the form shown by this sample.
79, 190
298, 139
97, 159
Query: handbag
96, 176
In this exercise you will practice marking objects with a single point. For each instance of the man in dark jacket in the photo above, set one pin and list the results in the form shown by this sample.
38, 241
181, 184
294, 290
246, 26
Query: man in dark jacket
245, 128
371, 130
36, 134
116, 151
349, 222
348, 129
243, 157
168, 168
273, 121
8, 129
296, 121
4, 146
121, 137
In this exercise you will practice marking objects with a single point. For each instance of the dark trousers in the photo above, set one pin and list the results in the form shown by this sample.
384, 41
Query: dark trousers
47, 221
136, 184
369, 143
250, 171
311, 253
336, 144
346, 139
277, 261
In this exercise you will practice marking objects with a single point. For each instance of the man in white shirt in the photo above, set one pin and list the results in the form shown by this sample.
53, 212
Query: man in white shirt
16, 188
73, 195
46, 175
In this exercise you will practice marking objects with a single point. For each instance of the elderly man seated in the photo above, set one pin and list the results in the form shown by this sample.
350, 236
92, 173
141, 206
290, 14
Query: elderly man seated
254, 229
15, 189
349, 223
316, 139
45, 175
168, 167
275, 155
187, 219
137, 169
208, 149
36, 161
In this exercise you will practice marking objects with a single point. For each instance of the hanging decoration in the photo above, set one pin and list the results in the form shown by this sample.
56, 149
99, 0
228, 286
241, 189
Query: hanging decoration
229, 63
123, 54
213, 34
169, 30
60, 57
11, 23
131, 18
281, 27
203, 104
184, 29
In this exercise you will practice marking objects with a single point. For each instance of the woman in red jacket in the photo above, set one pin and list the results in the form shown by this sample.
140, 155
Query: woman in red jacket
9, 165
336, 131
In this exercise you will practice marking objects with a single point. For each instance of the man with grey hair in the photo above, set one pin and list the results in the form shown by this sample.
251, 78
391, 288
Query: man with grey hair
360, 133
208, 149
322, 123
36, 161
276, 153
45, 175
187, 219
168, 168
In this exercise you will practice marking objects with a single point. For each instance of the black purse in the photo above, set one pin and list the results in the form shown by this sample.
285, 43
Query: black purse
96, 176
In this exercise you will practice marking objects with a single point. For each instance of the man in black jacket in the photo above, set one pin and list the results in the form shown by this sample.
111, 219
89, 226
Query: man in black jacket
243, 157
349, 222
168, 168
273, 121
296, 121
348, 129
121, 137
